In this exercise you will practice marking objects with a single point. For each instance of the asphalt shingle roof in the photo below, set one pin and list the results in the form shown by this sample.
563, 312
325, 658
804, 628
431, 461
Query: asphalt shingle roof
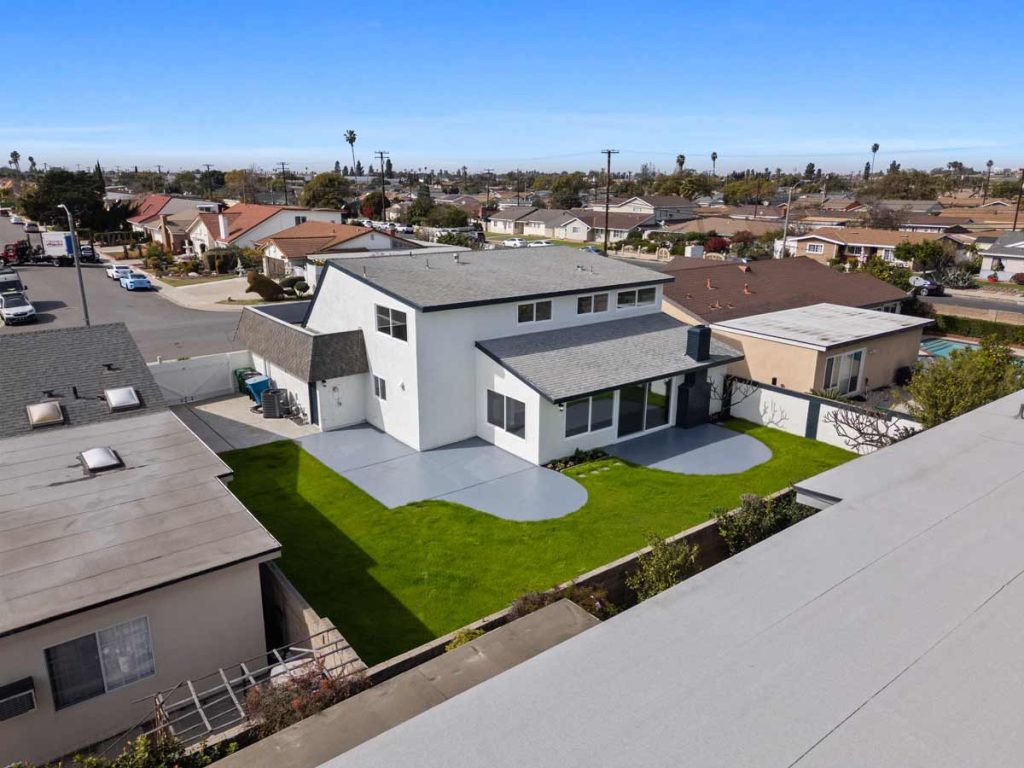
63, 361
571, 362
439, 281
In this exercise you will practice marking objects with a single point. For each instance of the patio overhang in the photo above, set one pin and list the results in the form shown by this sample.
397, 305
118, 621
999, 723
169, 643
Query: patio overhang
570, 363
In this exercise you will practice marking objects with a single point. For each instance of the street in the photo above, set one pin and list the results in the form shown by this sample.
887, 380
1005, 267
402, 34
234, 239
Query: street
160, 327
977, 302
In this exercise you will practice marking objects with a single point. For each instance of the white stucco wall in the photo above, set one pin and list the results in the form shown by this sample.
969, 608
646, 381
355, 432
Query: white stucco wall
342, 402
298, 390
491, 376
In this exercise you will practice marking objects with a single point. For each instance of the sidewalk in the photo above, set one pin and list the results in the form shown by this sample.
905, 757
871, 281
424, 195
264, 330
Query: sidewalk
1007, 295
206, 296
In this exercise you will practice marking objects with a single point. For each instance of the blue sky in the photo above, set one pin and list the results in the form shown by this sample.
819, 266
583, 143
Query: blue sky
535, 85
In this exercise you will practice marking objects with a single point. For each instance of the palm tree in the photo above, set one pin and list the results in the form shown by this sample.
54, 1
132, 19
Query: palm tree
874, 151
15, 161
350, 137
988, 176
714, 161
31, 165
680, 162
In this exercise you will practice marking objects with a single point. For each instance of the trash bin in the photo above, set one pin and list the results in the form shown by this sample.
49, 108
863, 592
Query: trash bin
241, 374
257, 385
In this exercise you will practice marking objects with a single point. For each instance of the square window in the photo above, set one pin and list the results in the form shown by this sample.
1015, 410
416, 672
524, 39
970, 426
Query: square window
543, 310
626, 299
75, 671
646, 296
526, 313
584, 305
495, 409
601, 302
126, 653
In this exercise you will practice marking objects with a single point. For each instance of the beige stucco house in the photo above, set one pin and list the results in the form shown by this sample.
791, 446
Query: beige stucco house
824, 347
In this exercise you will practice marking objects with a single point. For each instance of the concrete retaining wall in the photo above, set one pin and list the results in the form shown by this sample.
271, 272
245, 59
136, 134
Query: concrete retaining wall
199, 378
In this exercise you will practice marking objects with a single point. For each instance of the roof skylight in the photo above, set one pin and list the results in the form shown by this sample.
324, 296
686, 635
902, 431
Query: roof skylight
45, 414
122, 398
100, 459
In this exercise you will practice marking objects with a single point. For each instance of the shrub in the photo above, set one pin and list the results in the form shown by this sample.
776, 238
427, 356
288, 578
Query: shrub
979, 329
957, 278
462, 637
301, 287
667, 564
594, 600
759, 518
277, 704
161, 752
154, 251
265, 287
578, 457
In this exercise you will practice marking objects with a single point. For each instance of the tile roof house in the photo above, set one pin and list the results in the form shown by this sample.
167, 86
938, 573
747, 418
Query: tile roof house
538, 351
286, 252
164, 218
126, 565
246, 224
723, 226
709, 291
831, 243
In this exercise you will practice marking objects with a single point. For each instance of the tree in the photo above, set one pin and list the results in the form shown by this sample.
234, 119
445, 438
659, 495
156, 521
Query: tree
874, 151
447, 216
372, 208
902, 185
881, 217
101, 184
758, 518
748, 191
716, 245
458, 238
714, 162
988, 178
665, 565
359, 168
419, 209
928, 256
350, 137
967, 379
889, 272
15, 161
867, 171
78, 190
680, 163
1006, 188
326, 190
31, 165
809, 171
389, 170
337, 166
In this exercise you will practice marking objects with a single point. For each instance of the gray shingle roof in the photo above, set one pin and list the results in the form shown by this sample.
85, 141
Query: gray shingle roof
305, 354
438, 281
571, 362
1008, 244
69, 360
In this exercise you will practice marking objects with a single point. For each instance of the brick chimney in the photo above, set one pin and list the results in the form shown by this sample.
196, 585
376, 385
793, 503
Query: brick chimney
222, 223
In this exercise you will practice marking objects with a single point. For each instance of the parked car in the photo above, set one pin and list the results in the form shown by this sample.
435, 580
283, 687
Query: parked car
924, 285
15, 308
592, 249
117, 271
17, 220
539, 244
10, 281
515, 242
404, 229
134, 281
88, 254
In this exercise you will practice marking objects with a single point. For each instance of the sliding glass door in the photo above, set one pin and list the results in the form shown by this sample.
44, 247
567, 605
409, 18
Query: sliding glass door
644, 406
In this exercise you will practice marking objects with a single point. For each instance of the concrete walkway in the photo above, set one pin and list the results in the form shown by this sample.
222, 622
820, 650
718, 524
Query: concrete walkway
228, 423
471, 472
206, 296
705, 450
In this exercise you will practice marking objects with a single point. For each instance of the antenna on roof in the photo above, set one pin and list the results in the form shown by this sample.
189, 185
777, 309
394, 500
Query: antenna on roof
364, 270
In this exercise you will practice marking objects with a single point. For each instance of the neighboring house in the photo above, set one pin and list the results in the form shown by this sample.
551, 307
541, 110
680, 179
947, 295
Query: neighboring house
818, 219
286, 252
709, 292
824, 347
127, 564
509, 220
927, 222
841, 204
910, 206
620, 225
471, 205
721, 225
164, 218
544, 222
245, 224
989, 217
658, 207
538, 351
827, 245
1005, 256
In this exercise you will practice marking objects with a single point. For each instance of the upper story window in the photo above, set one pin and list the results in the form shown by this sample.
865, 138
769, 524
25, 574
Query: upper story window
300, 220
100, 662
586, 305
815, 248
534, 312
392, 322
641, 297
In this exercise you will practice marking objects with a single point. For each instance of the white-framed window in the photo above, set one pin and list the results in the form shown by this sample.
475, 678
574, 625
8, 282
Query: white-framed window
506, 413
380, 388
586, 305
534, 312
392, 322
100, 662
641, 297
574, 230
815, 248
589, 414
842, 372
300, 220
888, 254
855, 250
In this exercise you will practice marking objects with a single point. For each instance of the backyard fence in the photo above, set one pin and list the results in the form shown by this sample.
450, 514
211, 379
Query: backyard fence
199, 378
845, 425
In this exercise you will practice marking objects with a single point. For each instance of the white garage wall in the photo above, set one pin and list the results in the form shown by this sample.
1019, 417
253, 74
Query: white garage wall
297, 389
342, 401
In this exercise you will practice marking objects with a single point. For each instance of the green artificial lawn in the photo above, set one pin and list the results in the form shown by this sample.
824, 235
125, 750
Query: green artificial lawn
391, 579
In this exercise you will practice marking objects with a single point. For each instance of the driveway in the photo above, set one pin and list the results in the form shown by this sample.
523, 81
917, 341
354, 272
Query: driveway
704, 450
159, 327
471, 472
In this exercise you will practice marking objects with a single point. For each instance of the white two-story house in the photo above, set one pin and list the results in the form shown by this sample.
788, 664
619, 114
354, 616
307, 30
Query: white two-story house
538, 351
246, 224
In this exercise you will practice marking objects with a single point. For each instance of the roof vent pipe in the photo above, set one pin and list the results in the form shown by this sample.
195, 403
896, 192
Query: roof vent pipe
698, 342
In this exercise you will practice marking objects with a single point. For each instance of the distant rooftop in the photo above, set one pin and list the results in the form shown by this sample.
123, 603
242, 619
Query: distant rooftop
469, 278
822, 326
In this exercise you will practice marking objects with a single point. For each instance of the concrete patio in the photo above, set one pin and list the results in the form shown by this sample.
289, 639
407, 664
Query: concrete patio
704, 450
471, 472
228, 423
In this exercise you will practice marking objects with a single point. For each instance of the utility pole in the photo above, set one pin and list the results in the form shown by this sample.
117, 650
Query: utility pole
382, 155
78, 262
284, 183
488, 172
519, 185
209, 180
785, 227
607, 192
1020, 192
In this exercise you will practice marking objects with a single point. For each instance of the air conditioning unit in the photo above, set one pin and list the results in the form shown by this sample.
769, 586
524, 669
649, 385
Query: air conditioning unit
17, 698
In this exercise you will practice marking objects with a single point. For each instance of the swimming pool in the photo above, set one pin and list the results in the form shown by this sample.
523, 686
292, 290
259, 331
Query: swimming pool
943, 347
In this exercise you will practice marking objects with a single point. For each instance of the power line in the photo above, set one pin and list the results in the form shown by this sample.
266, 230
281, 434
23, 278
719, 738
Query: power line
607, 192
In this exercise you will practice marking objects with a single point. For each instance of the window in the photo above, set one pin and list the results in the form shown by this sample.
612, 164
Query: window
392, 322
639, 298
535, 312
644, 406
815, 248
506, 413
589, 414
586, 305
855, 250
842, 372
380, 388
104, 661
300, 220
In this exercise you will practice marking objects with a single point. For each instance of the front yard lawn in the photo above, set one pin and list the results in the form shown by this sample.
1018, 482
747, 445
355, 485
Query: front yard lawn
391, 579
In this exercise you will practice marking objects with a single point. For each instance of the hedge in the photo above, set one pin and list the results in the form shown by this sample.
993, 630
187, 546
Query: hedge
979, 329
